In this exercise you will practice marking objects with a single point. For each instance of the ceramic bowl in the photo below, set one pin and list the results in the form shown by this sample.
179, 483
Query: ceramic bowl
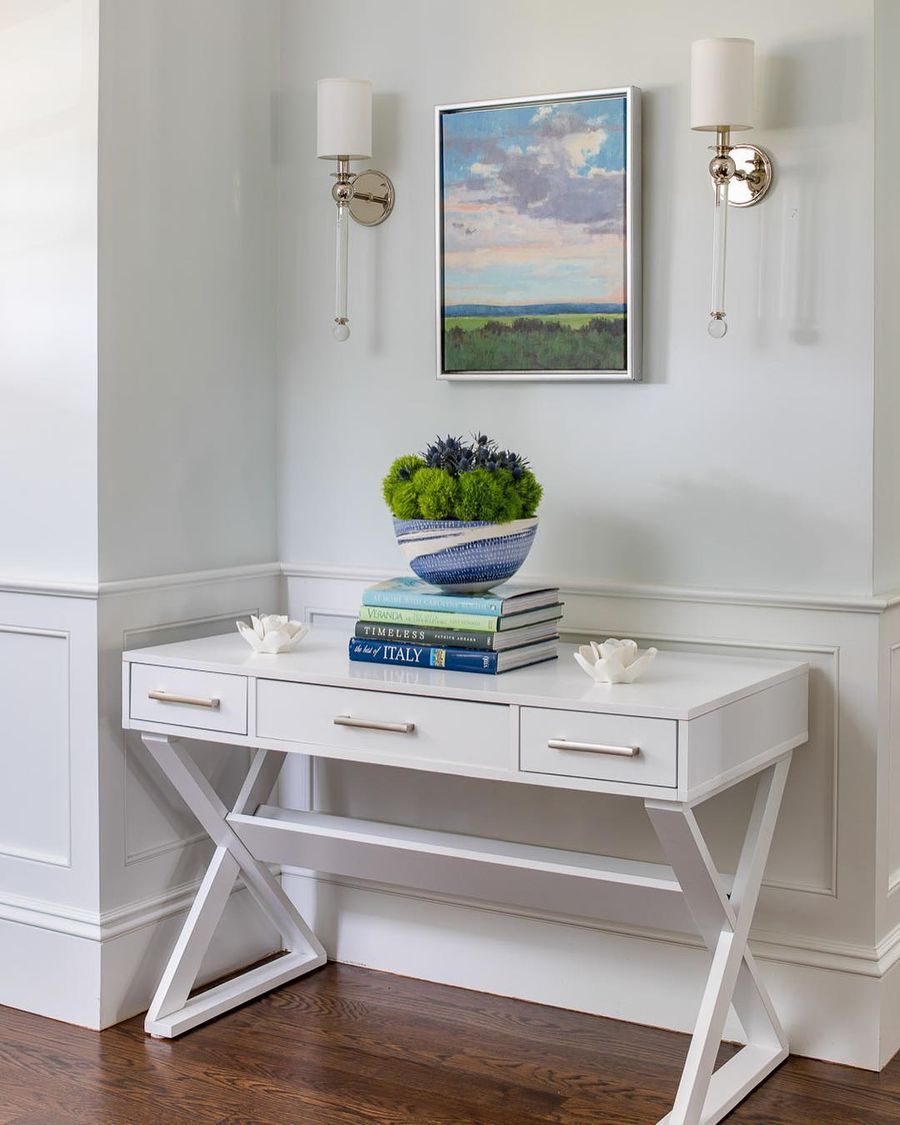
465, 558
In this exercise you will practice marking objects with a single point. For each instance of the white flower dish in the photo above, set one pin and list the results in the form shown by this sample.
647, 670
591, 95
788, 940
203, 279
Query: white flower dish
273, 633
614, 661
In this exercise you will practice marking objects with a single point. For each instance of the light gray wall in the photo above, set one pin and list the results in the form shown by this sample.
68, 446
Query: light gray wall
48, 290
187, 285
887, 290
745, 463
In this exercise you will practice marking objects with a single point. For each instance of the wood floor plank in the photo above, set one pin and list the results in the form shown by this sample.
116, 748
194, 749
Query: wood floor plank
347, 1046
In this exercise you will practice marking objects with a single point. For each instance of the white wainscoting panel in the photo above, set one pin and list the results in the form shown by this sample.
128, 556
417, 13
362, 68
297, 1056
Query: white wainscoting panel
893, 734
48, 750
35, 755
816, 918
888, 816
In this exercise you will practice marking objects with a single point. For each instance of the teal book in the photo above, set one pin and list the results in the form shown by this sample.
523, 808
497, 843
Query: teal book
413, 593
475, 622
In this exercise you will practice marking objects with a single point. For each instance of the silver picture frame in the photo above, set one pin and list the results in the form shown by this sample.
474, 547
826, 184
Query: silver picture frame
631, 371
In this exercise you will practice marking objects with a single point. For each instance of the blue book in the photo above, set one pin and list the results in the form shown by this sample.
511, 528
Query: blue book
413, 593
450, 659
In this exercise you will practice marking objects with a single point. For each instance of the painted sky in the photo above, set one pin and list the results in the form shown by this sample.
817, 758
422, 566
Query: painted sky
534, 203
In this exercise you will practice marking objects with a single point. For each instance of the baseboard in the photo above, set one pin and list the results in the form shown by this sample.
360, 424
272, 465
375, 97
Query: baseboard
830, 1005
889, 1043
96, 970
50, 972
133, 961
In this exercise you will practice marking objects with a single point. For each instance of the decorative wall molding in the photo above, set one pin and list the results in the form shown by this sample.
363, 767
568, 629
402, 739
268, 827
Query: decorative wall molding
812, 952
73, 588
61, 588
191, 578
852, 603
893, 767
29, 854
107, 925
848, 603
174, 845
859, 960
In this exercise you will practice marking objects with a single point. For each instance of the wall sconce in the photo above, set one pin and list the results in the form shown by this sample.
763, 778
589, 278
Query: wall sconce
345, 134
722, 102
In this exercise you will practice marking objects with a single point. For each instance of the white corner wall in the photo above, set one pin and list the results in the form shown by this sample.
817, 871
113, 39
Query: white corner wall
742, 464
187, 285
48, 290
887, 294
174, 398
186, 425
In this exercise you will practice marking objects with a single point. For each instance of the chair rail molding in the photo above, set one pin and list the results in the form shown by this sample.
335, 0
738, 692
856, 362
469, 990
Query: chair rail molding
849, 603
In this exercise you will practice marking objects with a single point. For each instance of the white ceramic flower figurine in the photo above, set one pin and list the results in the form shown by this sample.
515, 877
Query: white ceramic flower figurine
614, 661
272, 633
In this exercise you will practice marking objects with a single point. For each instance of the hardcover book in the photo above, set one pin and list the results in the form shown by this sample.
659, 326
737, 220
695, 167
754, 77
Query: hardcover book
413, 593
474, 622
456, 638
450, 659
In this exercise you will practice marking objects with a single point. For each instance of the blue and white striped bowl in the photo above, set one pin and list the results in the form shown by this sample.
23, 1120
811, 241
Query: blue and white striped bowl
465, 558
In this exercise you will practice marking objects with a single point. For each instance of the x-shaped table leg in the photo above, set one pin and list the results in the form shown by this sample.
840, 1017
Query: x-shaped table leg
171, 1012
723, 922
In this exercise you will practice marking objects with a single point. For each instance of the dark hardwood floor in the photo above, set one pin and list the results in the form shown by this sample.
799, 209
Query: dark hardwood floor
348, 1045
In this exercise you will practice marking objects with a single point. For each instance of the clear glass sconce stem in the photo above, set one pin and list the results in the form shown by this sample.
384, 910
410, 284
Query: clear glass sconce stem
341, 256
720, 239
722, 170
342, 194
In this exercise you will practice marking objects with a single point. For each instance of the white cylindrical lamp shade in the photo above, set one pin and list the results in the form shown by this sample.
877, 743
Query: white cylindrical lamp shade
722, 84
344, 118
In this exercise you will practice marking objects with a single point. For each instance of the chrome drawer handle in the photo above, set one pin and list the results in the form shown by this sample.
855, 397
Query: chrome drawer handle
187, 700
373, 724
594, 748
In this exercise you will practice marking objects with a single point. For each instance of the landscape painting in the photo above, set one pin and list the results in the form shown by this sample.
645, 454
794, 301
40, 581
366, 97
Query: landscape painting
537, 238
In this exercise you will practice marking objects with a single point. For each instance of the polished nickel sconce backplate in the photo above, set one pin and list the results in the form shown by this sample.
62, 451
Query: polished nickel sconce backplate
368, 196
751, 176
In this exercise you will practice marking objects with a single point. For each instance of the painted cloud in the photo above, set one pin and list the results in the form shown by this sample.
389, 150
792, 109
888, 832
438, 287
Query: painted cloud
534, 203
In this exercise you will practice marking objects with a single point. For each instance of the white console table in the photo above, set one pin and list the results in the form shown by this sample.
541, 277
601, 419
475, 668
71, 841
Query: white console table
692, 727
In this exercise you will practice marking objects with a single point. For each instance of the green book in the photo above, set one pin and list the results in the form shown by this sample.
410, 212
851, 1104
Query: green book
474, 622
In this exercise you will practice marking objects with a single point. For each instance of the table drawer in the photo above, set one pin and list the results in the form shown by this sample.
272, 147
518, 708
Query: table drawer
385, 726
600, 746
205, 700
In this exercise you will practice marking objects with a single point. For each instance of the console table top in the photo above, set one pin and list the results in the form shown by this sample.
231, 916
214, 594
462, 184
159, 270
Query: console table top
678, 685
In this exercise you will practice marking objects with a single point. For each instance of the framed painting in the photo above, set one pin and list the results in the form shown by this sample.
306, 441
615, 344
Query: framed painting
538, 237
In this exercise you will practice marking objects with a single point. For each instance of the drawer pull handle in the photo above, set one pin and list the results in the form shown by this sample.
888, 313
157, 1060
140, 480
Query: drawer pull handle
373, 724
594, 748
187, 700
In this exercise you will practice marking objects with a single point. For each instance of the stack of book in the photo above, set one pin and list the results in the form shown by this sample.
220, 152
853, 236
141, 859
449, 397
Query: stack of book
405, 621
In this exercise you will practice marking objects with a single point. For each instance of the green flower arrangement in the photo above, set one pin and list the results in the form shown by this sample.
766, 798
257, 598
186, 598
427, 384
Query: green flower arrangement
455, 479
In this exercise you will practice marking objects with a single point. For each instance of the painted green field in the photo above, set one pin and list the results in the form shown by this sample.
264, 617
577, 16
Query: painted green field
570, 320
551, 342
